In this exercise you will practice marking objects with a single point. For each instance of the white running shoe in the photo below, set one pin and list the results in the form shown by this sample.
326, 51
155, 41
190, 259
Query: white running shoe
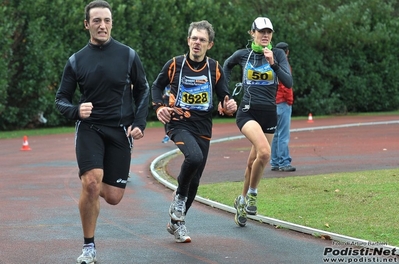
250, 206
241, 215
177, 209
180, 232
88, 255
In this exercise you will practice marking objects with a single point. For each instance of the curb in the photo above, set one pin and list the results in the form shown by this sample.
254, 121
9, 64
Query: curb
158, 164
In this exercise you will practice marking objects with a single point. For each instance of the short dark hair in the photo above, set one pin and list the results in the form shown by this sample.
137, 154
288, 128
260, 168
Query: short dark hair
94, 4
282, 45
202, 25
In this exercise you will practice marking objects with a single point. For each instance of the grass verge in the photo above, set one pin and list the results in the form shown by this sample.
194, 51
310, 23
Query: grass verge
357, 204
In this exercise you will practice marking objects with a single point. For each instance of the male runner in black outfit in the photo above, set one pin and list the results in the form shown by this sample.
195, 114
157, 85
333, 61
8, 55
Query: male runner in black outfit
111, 113
193, 79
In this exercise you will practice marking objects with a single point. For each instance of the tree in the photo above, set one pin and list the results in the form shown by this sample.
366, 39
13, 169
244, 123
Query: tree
343, 54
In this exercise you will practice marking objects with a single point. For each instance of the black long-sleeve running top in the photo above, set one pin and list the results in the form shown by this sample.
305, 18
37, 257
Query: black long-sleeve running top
259, 78
112, 78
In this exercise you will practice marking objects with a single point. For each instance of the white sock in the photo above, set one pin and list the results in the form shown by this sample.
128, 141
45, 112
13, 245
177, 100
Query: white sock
242, 200
252, 190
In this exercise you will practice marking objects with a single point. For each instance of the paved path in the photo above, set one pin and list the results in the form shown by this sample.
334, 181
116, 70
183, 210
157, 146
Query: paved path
327, 145
39, 191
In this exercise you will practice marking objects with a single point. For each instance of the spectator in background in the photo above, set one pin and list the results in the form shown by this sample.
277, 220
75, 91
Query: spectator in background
281, 159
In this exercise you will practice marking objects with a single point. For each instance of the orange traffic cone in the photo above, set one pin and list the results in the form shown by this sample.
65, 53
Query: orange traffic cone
310, 118
25, 144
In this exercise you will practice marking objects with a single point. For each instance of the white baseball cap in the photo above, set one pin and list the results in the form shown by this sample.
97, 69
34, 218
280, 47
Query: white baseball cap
262, 23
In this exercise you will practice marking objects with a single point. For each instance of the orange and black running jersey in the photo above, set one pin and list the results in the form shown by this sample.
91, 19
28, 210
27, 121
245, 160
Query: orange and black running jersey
193, 86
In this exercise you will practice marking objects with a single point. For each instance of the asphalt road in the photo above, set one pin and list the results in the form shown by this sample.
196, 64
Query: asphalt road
39, 218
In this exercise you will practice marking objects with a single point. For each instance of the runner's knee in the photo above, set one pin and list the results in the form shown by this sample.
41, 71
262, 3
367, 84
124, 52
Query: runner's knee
112, 198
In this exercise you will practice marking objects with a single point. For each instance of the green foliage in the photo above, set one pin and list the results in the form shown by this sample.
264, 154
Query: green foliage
343, 54
6, 30
37, 51
348, 47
